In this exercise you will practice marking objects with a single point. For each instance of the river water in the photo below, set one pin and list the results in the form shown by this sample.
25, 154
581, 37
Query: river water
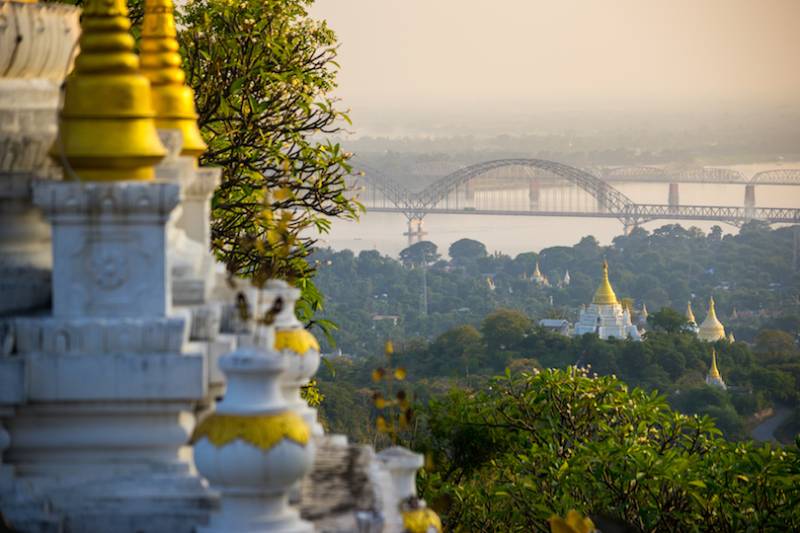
515, 234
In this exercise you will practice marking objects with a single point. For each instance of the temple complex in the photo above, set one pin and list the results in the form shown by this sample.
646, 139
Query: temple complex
606, 316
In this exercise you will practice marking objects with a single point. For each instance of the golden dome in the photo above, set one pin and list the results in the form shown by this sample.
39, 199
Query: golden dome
605, 294
689, 314
711, 329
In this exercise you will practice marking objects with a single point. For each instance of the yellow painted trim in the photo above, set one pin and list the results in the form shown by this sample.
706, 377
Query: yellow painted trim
421, 520
262, 431
299, 341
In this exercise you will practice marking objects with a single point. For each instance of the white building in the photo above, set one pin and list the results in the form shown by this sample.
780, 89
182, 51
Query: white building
606, 316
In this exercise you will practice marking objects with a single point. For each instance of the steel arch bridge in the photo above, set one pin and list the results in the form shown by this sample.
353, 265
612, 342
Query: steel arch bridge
781, 176
611, 202
662, 175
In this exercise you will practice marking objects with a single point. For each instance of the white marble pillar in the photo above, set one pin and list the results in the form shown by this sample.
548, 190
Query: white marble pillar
404, 511
254, 449
192, 264
100, 441
300, 349
36, 50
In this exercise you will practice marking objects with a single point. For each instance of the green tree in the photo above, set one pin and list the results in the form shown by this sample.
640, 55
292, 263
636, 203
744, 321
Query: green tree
504, 329
774, 345
462, 345
420, 253
466, 251
530, 445
667, 320
262, 72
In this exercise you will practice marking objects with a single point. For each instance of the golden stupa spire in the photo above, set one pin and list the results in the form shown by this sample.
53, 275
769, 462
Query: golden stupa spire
711, 329
714, 371
106, 129
605, 293
161, 63
689, 313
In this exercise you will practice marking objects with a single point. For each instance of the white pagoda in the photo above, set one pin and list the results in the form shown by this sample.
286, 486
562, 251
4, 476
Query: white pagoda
606, 316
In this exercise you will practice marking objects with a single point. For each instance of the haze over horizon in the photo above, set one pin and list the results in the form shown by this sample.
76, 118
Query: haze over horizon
421, 67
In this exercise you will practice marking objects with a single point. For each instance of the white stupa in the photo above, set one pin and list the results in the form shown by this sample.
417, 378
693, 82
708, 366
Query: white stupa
606, 316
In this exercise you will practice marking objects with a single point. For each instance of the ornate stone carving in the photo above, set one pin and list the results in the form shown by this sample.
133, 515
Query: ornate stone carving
37, 40
98, 336
205, 322
206, 181
122, 202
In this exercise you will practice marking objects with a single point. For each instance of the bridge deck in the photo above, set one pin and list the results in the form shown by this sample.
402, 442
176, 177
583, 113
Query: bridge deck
638, 213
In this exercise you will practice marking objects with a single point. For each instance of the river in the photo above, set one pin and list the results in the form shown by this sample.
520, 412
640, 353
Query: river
514, 234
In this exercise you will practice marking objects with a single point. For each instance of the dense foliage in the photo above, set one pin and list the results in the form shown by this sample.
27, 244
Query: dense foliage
750, 272
531, 444
674, 363
262, 72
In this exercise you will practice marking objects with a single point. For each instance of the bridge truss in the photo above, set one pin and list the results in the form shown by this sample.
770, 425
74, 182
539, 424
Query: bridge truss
611, 203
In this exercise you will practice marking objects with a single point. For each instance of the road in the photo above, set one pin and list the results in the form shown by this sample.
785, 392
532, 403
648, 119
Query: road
764, 432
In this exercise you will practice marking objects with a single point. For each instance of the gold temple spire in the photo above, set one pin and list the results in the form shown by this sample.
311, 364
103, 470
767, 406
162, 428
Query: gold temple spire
106, 130
605, 293
711, 329
714, 371
173, 101
689, 314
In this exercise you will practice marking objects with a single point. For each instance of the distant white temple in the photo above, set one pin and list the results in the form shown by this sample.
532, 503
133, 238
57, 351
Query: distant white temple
606, 316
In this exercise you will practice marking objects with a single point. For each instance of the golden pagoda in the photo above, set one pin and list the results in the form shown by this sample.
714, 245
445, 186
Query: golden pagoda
605, 293
714, 377
689, 314
538, 277
106, 127
173, 101
711, 329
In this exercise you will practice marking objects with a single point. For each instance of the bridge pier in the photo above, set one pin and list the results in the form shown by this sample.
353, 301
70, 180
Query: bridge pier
415, 231
534, 190
749, 200
674, 197
469, 195
602, 197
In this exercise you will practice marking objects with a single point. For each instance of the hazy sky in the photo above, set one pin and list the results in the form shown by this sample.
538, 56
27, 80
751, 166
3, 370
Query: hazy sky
540, 55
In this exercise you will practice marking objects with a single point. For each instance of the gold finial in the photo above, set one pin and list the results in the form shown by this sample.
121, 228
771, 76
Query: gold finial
714, 372
161, 63
711, 329
689, 313
106, 130
605, 293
